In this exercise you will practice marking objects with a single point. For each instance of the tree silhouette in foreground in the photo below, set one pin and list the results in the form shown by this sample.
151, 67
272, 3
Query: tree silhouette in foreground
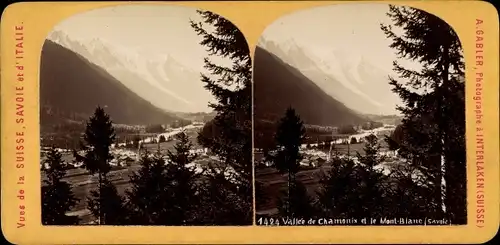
182, 189
98, 137
360, 189
434, 104
165, 194
352, 190
231, 137
57, 196
295, 201
108, 204
147, 196
371, 158
289, 136
286, 158
338, 195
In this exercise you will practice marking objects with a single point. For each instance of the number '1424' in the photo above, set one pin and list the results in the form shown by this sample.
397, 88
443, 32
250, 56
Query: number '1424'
268, 221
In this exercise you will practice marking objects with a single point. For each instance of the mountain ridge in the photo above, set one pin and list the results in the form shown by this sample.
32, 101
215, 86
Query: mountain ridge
348, 77
278, 85
71, 87
159, 78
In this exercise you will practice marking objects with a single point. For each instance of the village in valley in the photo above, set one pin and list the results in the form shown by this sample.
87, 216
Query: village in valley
127, 152
126, 159
317, 152
318, 156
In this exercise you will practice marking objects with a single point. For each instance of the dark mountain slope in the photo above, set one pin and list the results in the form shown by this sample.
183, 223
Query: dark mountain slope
71, 87
278, 85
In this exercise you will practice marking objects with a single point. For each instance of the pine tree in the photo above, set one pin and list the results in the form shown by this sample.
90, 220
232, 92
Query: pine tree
183, 188
371, 158
222, 202
107, 204
407, 196
147, 196
289, 136
338, 195
353, 190
374, 182
434, 104
231, 138
165, 194
57, 197
98, 137
295, 201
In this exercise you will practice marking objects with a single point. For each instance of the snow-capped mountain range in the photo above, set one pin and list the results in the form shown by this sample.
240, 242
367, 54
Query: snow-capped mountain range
159, 78
346, 76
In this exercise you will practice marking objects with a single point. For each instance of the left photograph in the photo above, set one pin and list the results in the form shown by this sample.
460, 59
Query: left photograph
145, 119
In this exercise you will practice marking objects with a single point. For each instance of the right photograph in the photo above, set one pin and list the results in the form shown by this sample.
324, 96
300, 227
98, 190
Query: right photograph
359, 118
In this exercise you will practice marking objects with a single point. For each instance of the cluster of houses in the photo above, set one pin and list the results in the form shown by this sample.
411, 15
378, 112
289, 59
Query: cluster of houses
314, 157
125, 157
121, 157
129, 127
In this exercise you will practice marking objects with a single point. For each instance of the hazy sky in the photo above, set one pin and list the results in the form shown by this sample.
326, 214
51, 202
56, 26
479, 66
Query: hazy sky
150, 33
351, 27
160, 30
154, 29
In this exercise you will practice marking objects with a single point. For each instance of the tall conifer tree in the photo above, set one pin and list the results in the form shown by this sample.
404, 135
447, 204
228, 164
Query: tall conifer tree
338, 195
286, 158
352, 190
147, 197
295, 201
166, 194
288, 138
57, 197
107, 205
434, 104
99, 135
182, 189
231, 138
371, 157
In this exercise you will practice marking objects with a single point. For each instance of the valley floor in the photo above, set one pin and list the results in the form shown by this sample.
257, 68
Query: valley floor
126, 163
274, 182
315, 164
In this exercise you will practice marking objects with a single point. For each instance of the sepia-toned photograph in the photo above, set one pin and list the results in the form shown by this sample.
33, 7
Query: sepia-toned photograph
359, 118
216, 122
145, 119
